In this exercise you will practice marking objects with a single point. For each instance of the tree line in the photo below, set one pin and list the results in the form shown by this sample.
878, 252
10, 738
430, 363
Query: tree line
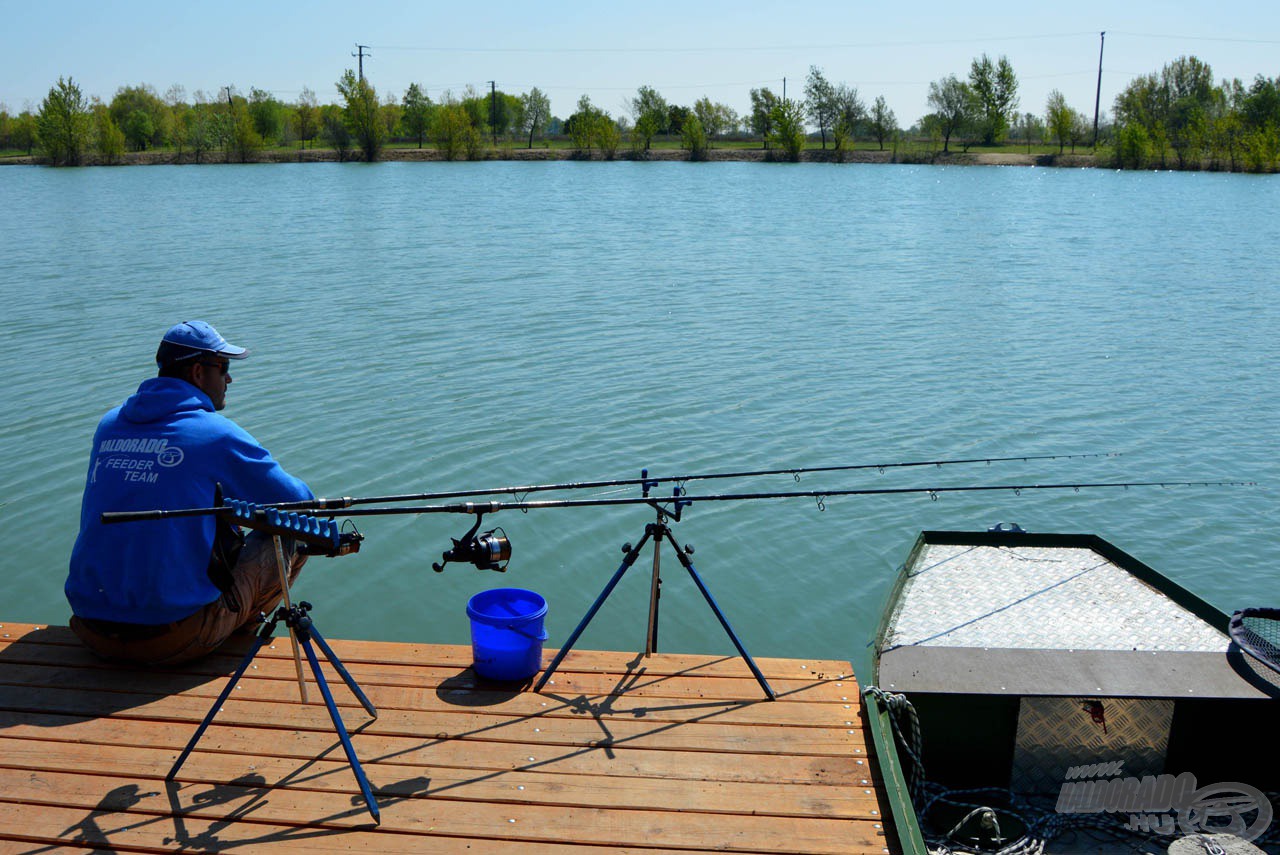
1176, 117
1180, 117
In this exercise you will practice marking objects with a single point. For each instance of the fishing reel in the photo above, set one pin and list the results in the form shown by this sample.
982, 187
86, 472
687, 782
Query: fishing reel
488, 551
348, 542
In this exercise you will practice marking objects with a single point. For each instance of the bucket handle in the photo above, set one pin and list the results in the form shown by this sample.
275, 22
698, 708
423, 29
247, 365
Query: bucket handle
541, 636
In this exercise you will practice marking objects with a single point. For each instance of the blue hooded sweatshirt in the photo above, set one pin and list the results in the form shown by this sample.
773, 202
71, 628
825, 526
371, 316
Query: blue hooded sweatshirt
165, 447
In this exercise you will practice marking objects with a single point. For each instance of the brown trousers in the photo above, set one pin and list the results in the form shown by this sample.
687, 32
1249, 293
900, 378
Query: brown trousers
255, 589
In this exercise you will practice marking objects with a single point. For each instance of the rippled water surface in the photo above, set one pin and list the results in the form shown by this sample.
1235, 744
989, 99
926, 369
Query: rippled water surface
421, 327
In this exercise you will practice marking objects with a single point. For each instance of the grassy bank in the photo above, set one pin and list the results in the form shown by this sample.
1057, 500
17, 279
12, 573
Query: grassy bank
744, 151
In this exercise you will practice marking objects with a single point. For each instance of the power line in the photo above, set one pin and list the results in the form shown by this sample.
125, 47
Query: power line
1230, 39
731, 48
833, 46
662, 86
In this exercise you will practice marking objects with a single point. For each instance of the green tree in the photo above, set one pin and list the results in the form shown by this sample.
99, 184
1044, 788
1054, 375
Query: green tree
64, 124
23, 132
179, 131
477, 109
849, 116
334, 130
362, 115
581, 126
1133, 146
649, 109
507, 113
306, 116
606, 135
138, 129
1261, 150
141, 133
716, 119
1027, 127
1258, 125
1081, 129
707, 116
1192, 100
1142, 102
676, 116
820, 101
763, 103
202, 122
416, 117
455, 134
884, 123
535, 111
788, 127
392, 114
1260, 106
267, 114
694, 137
1058, 117
952, 104
1177, 108
994, 87
108, 138
241, 139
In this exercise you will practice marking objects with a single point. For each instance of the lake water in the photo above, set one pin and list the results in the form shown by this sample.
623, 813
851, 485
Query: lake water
421, 327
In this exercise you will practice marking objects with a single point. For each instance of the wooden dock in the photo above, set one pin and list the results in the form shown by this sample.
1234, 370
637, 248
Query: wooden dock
619, 753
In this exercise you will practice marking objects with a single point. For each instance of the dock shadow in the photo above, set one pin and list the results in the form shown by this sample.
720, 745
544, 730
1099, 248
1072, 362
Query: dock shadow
217, 808
467, 689
49, 679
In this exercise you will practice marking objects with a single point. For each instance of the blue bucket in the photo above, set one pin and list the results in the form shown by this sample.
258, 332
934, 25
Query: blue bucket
507, 633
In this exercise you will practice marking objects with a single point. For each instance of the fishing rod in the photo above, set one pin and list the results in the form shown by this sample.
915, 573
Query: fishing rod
647, 483
679, 500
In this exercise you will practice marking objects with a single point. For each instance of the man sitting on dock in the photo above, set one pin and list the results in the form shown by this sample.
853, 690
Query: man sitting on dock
167, 591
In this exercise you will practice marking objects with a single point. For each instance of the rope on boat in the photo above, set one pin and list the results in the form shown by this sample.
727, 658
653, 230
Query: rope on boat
900, 709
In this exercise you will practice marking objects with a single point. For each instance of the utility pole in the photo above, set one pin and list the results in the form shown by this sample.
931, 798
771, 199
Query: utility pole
784, 89
361, 55
493, 110
1097, 99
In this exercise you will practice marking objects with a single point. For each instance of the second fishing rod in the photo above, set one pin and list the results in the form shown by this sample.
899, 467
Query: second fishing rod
646, 483
672, 505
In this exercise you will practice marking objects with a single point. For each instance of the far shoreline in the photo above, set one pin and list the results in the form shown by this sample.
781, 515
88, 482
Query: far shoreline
726, 155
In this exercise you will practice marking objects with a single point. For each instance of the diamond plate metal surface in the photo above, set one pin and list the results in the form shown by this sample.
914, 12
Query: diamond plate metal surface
1039, 598
1055, 734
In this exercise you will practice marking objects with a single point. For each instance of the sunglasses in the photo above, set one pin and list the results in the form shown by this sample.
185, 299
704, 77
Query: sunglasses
224, 367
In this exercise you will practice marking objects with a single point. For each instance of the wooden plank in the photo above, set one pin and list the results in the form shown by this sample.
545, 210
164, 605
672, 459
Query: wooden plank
459, 656
622, 761
515, 787
441, 699
28, 829
641, 683
432, 817
13, 846
582, 731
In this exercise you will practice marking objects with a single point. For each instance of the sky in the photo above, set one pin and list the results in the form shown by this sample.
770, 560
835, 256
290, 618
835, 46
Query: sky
686, 50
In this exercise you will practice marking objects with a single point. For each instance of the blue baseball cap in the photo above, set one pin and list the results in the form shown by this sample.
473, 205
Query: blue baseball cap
193, 338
